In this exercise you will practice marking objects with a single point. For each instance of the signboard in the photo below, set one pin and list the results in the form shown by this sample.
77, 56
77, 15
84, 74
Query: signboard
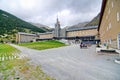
119, 41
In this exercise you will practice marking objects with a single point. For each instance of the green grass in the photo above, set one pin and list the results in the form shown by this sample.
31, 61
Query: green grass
43, 44
7, 50
18, 69
21, 69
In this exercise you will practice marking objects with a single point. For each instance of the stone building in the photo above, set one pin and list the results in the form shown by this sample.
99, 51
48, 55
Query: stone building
26, 37
88, 33
46, 36
109, 25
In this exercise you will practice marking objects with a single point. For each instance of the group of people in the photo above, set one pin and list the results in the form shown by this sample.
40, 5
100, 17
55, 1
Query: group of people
83, 45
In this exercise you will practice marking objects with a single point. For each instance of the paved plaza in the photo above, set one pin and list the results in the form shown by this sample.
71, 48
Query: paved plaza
73, 63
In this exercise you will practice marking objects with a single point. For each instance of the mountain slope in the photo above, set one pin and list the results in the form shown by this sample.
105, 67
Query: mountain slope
78, 25
94, 21
10, 24
44, 27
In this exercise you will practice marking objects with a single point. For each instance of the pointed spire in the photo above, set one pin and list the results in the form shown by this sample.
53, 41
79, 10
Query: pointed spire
58, 20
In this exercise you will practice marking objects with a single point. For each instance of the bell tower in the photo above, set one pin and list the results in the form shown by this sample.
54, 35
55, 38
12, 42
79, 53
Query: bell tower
57, 28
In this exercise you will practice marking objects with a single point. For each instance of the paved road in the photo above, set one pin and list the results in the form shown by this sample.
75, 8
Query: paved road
73, 63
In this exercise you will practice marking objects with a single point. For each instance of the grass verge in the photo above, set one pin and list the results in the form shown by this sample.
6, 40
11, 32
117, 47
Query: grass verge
18, 69
21, 69
7, 50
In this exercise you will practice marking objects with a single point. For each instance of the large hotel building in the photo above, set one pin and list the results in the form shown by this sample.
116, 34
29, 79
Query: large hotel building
109, 25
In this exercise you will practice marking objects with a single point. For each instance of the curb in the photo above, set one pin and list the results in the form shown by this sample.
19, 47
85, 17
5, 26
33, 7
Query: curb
117, 61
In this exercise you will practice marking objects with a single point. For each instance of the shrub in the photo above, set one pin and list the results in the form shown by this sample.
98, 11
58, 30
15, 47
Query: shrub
13, 41
97, 45
1, 41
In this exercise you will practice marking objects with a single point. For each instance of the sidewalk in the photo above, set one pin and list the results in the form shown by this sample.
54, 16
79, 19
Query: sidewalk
104, 48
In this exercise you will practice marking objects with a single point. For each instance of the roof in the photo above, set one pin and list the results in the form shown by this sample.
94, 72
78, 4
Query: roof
46, 33
102, 12
83, 28
23, 33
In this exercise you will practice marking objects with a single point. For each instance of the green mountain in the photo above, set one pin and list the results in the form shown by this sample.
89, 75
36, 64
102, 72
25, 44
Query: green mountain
94, 21
10, 24
44, 27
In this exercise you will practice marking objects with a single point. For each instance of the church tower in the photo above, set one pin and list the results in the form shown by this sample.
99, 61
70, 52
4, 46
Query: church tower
57, 29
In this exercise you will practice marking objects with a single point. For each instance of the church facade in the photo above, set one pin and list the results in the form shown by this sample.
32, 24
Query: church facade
57, 29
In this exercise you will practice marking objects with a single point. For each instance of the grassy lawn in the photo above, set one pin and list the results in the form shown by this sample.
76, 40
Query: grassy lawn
43, 44
7, 52
12, 68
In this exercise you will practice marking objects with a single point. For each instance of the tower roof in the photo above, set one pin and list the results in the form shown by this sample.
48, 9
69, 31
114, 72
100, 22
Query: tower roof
58, 22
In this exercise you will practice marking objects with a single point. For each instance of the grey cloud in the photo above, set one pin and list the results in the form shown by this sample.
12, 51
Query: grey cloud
45, 11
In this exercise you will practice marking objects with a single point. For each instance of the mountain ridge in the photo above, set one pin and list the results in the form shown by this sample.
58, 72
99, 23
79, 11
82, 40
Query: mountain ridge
93, 22
10, 24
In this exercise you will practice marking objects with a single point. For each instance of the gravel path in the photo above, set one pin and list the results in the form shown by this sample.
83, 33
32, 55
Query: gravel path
73, 63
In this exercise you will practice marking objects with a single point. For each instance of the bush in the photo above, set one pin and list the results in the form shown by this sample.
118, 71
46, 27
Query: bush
97, 45
1, 41
13, 41
31, 41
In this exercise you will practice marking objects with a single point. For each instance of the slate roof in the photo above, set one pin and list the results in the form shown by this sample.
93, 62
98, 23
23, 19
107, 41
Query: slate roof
82, 28
22, 33
46, 33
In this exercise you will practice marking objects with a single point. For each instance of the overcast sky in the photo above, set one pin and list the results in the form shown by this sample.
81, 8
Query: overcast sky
69, 12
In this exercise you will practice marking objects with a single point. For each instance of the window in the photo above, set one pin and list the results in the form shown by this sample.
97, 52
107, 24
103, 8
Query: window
112, 4
107, 28
118, 41
106, 16
109, 11
118, 16
109, 25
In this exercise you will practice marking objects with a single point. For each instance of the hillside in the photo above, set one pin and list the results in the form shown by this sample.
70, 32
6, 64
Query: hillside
10, 24
44, 27
93, 22
78, 25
